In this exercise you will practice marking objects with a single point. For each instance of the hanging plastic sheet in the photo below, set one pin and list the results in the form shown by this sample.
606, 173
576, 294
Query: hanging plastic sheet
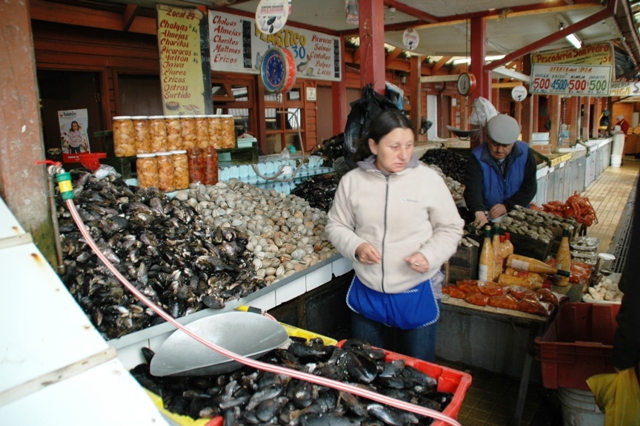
483, 111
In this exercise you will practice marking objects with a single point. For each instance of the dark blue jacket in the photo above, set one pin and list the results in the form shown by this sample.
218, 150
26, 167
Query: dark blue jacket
485, 185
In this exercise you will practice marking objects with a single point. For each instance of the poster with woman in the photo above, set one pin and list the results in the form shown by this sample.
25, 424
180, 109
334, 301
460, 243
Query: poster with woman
74, 125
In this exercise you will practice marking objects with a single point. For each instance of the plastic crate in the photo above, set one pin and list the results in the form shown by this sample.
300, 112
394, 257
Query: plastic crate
449, 380
577, 345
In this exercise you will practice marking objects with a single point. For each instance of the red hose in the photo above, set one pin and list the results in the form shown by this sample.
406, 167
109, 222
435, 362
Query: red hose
319, 380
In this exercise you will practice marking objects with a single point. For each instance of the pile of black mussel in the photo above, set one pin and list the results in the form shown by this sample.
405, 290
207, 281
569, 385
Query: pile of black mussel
451, 163
318, 191
249, 397
330, 149
160, 245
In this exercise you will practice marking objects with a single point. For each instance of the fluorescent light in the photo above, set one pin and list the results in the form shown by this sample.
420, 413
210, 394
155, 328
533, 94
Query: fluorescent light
468, 60
573, 39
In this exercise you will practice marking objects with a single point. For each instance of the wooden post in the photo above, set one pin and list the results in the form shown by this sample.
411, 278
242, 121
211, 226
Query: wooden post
574, 131
23, 185
597, 109
416, 93
339, 98
372, 57
553, 105
586, 117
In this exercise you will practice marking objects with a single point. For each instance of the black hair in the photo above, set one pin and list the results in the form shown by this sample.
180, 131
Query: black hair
380, 126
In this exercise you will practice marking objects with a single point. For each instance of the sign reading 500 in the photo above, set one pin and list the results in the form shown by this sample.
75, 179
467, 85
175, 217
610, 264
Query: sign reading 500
571, 80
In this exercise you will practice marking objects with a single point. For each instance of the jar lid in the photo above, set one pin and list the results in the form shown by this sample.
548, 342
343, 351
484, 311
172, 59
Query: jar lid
200, 116
226, 115
187, 116
163, 153
180, 151
156, 117
146, 155
122, 117
140, 117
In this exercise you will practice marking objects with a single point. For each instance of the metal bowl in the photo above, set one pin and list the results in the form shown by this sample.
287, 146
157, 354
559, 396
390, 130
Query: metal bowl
463, 134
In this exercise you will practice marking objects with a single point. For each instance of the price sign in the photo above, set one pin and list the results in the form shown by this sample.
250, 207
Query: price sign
577, 80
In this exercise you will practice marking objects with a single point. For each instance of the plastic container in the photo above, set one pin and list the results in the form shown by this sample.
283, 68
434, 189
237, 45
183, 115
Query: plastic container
577, 345
211, 166
197, 165
228, 135
143, 134
165, 171
147, 170
215, 131
124, 137
579, 408
180, 169
202, 131
189, 135
158, 131
449, 380
174, 133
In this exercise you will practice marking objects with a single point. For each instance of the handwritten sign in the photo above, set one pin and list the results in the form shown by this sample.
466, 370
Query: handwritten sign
184, 69
237, 45
593, 54
565, 79
625, 88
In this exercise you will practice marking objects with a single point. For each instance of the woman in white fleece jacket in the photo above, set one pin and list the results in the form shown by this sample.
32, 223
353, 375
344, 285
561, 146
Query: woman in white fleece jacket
396, 219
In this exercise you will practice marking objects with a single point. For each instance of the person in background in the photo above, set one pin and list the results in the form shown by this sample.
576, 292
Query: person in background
626, 341
397, 221
77, 139
501, 172
624, 124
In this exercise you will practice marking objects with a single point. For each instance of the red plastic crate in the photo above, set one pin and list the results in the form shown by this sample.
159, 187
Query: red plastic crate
577, 345
449, 380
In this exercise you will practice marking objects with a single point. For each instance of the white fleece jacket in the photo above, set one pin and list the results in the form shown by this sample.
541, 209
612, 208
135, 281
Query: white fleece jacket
398, 214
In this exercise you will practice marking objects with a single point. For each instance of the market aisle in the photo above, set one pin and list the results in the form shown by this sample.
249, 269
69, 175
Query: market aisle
608, 196
491, 399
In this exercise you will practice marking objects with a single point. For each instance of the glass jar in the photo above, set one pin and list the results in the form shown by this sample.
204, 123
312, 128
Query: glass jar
202, 131
124, 137
215, 131
165, 171
143, 135
147, 170
228, 135
189, 136
158, 132
211, 167
180, 169
174, 133
196, 165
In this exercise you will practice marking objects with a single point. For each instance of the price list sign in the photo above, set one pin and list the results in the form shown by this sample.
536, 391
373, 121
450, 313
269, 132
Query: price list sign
577, 80
185, 77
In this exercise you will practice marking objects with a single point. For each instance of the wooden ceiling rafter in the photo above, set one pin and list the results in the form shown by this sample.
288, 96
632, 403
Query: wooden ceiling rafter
130, 13
392, 56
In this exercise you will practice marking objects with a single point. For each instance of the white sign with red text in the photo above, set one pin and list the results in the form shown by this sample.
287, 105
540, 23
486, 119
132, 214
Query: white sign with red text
568, 79
237, 45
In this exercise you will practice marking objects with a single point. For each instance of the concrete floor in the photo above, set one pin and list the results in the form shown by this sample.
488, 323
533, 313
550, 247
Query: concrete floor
491, 399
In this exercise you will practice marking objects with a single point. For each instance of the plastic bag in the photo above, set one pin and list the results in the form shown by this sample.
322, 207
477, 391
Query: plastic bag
483, 111
362, 110
617, 396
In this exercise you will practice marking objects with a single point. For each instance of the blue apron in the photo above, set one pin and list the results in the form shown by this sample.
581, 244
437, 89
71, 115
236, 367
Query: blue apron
411, 309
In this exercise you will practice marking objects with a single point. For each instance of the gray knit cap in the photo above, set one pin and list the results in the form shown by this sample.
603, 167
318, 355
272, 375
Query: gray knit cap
503, 129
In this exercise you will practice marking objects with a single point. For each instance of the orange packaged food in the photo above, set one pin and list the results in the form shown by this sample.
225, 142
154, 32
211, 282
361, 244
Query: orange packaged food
468, 286
547, 295
478, 299
580, 271
521, 278
490, 288
532, 307
504, 301
520, 292
454, 291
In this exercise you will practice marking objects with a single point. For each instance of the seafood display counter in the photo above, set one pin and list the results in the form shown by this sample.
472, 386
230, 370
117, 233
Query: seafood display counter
55, 366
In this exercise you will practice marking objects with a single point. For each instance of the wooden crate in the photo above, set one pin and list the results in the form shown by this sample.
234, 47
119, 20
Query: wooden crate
463, 265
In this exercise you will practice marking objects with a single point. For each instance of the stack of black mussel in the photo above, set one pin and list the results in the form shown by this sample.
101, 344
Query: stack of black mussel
159, 244
331, 149
451, 163
318, 191
248, 396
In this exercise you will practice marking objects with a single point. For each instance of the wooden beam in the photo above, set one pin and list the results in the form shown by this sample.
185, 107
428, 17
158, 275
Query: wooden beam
130, 13
440, 63
392, 56
506, 85
411, 11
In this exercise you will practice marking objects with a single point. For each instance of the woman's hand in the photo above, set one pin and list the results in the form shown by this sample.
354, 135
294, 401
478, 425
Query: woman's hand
481, 220
367, 254
418, 262
497, 211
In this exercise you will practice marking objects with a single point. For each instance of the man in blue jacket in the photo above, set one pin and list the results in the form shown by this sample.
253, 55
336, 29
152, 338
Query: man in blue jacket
501, 172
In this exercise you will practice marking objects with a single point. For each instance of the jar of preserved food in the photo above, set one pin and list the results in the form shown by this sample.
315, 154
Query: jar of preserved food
189, 136
228, 137
180, 169
147, 170
196, 165
211, 168
165, 171
174, 133
158, 133
202, 131
124, 137
215, 131
143, 135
